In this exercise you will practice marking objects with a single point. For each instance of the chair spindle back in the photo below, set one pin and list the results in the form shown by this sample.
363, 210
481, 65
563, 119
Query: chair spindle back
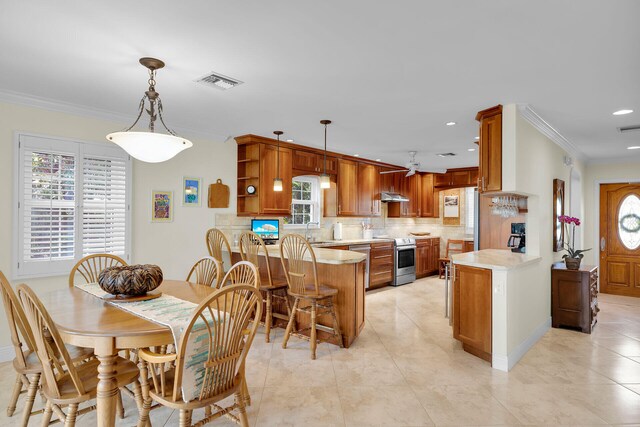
206, 271
90, 267
250, 246
295, 254
21, 335
216, 244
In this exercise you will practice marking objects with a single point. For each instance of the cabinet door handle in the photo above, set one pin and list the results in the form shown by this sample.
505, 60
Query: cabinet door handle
603, 244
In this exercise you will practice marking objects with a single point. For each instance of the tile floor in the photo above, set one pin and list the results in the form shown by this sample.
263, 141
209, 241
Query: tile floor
406, 370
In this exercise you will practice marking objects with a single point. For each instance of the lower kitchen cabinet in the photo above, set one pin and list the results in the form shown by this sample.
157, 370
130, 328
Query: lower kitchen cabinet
472, 309
574, 297
381, 264
427, 254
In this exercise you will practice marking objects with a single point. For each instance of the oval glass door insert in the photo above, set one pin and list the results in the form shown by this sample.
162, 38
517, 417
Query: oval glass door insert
629, 222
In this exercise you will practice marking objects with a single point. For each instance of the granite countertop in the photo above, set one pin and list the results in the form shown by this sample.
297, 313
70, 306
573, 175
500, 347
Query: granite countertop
323, 256
495, 259
345, 242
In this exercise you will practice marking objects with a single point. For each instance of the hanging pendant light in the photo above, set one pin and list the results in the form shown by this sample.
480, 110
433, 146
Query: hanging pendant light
150, 146
277, 181
325, 180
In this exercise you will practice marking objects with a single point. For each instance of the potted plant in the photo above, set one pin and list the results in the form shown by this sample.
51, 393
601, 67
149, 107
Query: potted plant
573, 257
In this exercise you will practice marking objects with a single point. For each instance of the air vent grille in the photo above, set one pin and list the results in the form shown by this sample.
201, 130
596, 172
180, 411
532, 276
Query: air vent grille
447, 154
218, 81
631, 128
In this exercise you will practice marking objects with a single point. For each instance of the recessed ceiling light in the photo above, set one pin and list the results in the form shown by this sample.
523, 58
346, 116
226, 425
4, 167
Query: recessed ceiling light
634, 147
622, 112
450, 123
356, 155
378, 160
471, 149
289, 140
477, 138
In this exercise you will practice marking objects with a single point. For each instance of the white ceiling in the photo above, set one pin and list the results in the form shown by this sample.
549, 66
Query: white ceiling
388, 73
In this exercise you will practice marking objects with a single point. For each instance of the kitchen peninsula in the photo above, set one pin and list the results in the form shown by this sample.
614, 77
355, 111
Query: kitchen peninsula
499, 306
340, 269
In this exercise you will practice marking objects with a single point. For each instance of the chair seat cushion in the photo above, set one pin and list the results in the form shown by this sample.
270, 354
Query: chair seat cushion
324, 291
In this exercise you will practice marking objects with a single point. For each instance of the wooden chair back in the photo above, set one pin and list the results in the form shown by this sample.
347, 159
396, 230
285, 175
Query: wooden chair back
229, 340
52, 353
295, 253
242, 273
454, 247
206, 271
21, 336
90, 267
250, 247
216, 244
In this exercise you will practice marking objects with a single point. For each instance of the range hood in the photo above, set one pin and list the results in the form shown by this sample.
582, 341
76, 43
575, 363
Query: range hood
386, 196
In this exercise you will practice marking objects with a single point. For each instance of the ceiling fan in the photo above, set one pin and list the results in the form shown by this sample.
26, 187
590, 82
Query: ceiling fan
412, 166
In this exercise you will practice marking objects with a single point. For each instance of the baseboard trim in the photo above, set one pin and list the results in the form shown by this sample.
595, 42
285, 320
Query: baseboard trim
6, 353
506, 363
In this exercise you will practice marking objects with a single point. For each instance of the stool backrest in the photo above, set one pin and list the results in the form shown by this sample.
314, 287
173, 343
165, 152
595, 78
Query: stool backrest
296, 255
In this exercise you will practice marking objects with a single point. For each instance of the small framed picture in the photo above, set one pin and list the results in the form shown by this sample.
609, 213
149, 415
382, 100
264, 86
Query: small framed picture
162, 206
451, 209
191, 189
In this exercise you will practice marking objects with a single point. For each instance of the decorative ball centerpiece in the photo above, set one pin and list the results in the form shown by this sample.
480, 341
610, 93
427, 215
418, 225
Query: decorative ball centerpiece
130, 280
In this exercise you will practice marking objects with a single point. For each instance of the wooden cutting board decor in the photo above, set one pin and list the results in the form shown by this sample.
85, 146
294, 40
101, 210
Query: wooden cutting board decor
218, 195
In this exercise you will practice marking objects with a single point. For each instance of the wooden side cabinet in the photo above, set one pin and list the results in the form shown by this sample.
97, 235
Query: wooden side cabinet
472, 309
574, 297
490, 148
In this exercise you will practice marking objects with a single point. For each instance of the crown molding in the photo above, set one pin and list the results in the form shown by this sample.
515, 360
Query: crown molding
119, 119
530, 115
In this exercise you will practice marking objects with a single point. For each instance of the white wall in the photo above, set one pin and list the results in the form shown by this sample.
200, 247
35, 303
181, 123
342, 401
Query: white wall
173, 246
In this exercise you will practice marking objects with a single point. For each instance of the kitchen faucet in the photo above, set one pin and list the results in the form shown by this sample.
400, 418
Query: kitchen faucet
306, 230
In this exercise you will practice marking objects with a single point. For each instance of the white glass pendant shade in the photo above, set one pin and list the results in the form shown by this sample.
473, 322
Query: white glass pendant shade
149, 146
277, 184
325, 181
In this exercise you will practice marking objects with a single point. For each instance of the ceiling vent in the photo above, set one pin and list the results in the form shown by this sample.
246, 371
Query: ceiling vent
446, 154
631, 128
218, 81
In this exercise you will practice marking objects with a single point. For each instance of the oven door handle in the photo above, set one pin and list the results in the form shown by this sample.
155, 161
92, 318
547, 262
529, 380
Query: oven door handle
401, 248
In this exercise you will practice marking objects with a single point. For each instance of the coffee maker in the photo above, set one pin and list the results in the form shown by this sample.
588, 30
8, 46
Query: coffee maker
517, 239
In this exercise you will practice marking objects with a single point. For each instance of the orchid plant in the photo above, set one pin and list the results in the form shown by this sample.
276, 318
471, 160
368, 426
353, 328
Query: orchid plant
573, 222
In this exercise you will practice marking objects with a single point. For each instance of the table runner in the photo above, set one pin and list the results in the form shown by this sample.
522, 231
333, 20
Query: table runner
174, 313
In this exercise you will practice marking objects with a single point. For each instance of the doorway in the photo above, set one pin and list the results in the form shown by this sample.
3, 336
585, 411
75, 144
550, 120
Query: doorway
620, 239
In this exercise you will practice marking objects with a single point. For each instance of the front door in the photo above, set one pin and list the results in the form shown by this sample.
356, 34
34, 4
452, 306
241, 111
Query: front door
620, 239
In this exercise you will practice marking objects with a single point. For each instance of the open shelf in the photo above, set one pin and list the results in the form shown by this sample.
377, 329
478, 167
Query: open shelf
244, 178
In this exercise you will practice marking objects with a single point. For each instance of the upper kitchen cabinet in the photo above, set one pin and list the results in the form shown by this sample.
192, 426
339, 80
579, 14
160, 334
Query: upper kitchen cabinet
368, 190
389, 182
457, 178
427, 196
347, 188
313, 163
408, 187
490, 148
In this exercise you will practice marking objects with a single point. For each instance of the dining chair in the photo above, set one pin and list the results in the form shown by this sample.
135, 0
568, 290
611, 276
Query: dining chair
68, 382
217, 243
225, 314
206, 271
251, 245
90, 267
296, 255
26, 363
242, 272
454, 246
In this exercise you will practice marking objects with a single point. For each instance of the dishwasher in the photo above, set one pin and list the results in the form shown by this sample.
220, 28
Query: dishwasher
364, 249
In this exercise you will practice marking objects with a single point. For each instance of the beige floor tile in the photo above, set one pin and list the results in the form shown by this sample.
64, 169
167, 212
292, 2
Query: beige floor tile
366, 369
619, 369
463, 406
633, 387
613, 403
300, 406
300, 372
419, 371
382, 406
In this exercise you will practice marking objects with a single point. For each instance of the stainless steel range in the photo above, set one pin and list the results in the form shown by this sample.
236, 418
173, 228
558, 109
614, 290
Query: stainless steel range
404, 260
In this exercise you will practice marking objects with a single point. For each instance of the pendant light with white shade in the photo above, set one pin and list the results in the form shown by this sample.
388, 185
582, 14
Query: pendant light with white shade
325, 180
277, 181
150, 146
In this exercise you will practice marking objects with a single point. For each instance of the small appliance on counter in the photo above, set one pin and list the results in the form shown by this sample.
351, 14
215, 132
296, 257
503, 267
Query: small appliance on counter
337, 231
517, 239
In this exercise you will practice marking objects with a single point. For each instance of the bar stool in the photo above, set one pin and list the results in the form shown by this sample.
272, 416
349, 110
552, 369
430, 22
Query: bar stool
250, 247
453, 247
295, 254
217, 243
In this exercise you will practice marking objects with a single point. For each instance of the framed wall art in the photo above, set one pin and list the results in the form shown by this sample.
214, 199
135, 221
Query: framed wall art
191, 191
162, 206
558, 210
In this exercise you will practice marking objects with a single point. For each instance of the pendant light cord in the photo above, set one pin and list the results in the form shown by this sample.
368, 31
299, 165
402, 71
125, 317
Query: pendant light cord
325, 149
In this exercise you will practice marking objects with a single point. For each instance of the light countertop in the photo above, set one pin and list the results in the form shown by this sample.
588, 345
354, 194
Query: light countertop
346, 242
494, 259
323, 256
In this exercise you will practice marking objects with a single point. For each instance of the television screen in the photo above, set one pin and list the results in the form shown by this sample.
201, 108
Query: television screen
267, 229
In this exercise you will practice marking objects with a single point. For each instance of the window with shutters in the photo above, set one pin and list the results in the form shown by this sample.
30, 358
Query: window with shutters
72, 200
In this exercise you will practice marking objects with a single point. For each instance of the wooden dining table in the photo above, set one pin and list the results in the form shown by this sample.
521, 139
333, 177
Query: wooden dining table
87, 321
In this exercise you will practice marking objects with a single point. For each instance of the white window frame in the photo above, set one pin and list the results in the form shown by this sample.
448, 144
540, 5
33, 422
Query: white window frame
315, 202
469, 206
78, 148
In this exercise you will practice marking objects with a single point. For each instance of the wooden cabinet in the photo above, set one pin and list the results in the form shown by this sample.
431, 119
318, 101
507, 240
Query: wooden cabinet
490, 149
574, 297
427, 196
275, 202
381, 264
472, 309
347, 188
389, 181
307, 161
427, 254
457, 178
408, 187
368, 190
467, 246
